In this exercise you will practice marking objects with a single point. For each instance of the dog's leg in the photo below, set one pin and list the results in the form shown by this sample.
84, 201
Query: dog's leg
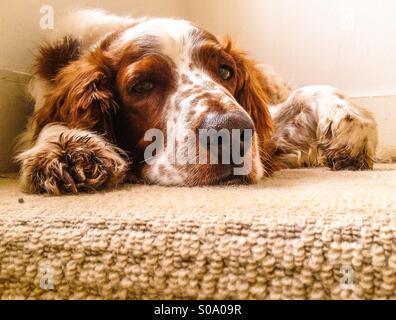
319, 125
67, 160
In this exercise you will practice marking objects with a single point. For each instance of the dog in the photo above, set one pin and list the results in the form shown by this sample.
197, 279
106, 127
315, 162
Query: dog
103, 81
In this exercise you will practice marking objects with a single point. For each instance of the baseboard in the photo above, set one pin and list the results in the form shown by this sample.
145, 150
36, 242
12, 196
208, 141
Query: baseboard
15, 108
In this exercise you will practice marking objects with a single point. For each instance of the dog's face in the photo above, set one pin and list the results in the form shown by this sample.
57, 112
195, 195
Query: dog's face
177, 78
174, 77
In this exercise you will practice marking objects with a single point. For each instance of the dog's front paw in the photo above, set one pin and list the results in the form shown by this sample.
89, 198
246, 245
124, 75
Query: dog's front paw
350, 143
76, 161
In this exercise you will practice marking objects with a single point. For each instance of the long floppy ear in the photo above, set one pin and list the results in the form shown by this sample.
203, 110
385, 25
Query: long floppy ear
252, 95
82, 96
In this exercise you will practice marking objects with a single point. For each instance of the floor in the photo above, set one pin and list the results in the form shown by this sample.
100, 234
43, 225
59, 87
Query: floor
304, 191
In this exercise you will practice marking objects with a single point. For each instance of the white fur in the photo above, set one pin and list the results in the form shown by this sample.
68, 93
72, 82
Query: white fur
306, 119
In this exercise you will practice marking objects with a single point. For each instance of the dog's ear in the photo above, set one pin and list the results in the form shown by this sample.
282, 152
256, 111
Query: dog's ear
82, 96
251, 93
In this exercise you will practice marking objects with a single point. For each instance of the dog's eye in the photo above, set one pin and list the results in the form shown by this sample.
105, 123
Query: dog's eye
226, 72
142, 87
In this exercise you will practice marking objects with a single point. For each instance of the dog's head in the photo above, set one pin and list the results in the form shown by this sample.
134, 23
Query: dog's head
160, 89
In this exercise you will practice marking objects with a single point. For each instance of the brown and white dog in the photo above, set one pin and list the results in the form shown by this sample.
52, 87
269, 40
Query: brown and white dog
104, 81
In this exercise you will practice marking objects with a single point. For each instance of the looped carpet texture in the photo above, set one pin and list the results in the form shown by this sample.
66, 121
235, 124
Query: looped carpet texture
302, 234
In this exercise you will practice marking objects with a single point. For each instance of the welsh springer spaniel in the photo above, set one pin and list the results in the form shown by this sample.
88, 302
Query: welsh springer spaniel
104, 81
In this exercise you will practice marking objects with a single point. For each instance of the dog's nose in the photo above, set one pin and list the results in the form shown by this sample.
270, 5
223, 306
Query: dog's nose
229, 121
234, 123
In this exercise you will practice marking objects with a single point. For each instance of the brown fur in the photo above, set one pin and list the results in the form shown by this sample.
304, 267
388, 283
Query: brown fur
82, 97
53, 57
140, 113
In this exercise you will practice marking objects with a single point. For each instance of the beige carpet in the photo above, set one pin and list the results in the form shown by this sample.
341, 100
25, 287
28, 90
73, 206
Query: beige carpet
307, 233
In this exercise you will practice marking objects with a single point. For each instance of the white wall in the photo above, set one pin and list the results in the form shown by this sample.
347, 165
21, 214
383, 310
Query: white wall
384, 109
347, 43
350, 44
20, 22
